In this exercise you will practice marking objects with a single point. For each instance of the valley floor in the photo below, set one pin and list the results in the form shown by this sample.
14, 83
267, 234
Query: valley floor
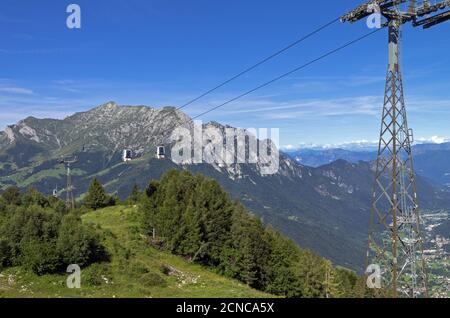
437, 253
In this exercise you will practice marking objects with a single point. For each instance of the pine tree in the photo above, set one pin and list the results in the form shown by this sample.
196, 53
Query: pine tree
12, 195
332, 284
151, 188
96, 196
191, 243
282, 277
247, 235
215, 208
135, 195
350, 284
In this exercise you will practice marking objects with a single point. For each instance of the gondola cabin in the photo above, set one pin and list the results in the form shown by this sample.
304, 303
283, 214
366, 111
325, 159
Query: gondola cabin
55, 192
127, 155
160, 152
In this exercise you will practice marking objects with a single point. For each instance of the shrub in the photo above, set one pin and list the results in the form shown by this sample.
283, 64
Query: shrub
153, 280
12, 195
40, 257
44, 241
165, 269
31, 224
134, 196
34, 197
78, 243
96, 274
5, 254
137, 269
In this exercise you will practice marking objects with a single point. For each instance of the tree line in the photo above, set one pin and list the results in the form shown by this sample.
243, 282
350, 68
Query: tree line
192, 216
188, 215
39, 234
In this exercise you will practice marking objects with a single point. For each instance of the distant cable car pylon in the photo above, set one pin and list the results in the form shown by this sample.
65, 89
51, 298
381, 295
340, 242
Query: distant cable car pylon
70, 200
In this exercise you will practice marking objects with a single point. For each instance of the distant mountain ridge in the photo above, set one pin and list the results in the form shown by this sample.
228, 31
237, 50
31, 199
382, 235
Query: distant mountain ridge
319, 157
431, 160
325, 209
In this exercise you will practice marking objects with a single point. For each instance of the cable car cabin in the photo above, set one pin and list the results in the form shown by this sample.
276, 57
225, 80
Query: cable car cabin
127, 155
160, 152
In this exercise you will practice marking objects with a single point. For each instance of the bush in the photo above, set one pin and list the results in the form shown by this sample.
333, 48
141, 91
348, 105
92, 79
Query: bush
165, 269
5, 254
57, 205
3, 209
137, 269
134, 196
96, 274
34, 197
78, 243
44, 241
31, 224
12, 195
153, 280
40, 257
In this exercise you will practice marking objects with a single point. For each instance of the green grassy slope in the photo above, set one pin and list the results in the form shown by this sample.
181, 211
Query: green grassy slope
135, 269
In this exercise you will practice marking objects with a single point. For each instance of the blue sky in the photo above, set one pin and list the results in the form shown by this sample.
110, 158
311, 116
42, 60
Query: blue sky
160, 52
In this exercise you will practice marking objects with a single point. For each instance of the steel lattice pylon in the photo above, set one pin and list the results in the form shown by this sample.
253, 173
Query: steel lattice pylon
395, 240
70, 200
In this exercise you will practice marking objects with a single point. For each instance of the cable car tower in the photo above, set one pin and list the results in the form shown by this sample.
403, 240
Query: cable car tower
395, 242
70, 201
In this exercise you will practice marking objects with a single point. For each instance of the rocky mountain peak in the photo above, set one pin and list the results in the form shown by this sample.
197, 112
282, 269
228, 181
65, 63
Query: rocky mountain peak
109, 105
108, 127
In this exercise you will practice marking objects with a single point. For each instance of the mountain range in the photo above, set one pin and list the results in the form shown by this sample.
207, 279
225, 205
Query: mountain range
324, 207
431, 160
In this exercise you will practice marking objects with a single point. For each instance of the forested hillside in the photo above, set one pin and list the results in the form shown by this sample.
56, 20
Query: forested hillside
192, 216
128, 245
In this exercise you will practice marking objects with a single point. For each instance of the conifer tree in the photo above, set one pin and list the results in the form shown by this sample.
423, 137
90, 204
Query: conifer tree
216, 209
135, 195
12, 195
191, 243
96, 197
247, 239
332, 282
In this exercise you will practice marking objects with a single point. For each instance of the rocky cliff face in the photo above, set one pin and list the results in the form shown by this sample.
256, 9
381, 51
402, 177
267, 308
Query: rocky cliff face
107, 127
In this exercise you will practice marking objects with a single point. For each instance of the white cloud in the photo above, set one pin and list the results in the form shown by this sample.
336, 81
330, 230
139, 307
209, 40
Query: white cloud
327, 83
356, 145
14, 107
360, 145
287, 147
16, 90
275, 110
365, 105
433, 140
